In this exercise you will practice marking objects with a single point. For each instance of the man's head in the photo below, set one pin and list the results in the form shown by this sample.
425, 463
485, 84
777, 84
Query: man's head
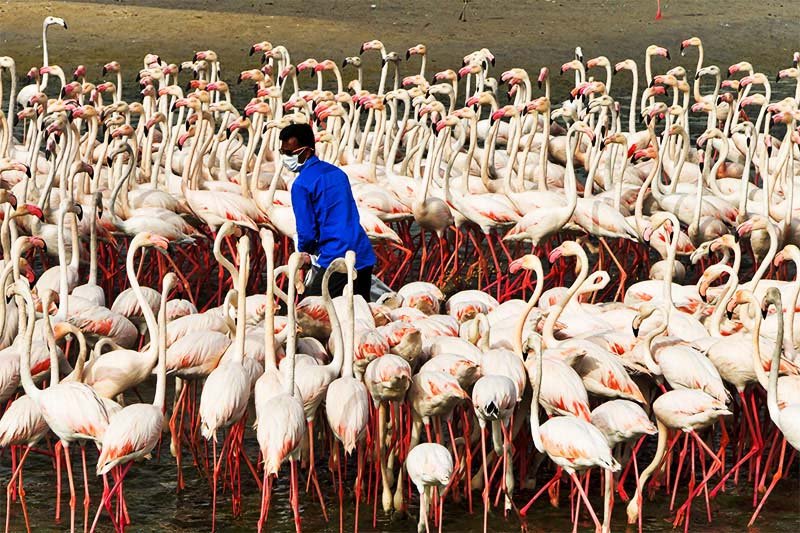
297, 140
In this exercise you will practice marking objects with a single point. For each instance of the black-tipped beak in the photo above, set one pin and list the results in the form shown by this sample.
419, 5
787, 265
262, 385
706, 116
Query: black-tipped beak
109, 161
697, 76
252, 50
344, 63
764, 312
635, 331
79, 211
704, 297
65, 26
361, 49
408, 55
729, 314
539, 83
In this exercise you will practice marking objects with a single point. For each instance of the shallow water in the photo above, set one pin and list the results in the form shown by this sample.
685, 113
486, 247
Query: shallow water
528, 34
154, 505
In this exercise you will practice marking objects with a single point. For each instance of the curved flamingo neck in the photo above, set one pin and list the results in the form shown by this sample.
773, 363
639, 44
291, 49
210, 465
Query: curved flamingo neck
537, 292
147, 311
336, 329
27, 315
552, 318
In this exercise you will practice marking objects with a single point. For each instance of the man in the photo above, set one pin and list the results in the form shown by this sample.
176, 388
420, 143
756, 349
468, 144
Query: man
328, 224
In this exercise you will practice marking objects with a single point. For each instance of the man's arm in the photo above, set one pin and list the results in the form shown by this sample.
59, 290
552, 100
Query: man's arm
304, 219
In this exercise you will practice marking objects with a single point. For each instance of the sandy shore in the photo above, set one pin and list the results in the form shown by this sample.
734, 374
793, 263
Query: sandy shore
528, 33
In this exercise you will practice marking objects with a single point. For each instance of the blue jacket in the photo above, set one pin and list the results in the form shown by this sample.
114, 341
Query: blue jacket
327, 218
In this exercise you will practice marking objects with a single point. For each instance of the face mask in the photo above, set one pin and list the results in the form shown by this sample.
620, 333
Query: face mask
291, 162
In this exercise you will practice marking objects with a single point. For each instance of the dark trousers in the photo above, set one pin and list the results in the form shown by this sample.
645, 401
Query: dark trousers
338, 282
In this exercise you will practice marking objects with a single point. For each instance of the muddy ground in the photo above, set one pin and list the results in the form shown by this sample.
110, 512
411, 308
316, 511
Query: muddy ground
528, 33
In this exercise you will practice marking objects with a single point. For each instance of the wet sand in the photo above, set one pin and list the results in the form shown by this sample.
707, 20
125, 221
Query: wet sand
528, 34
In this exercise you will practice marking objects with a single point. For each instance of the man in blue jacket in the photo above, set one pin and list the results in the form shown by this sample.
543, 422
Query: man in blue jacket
328, 224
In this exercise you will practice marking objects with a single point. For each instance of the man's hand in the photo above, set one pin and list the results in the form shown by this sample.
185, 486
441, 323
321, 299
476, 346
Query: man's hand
306, 258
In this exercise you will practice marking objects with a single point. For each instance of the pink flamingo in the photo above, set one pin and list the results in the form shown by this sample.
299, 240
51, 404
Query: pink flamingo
573, 444
347, 399
73, 411
134, 432
281, 418
115, 372
225, 395
430, 466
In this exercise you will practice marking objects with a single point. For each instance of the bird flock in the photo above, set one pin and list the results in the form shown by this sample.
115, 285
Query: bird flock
571, 286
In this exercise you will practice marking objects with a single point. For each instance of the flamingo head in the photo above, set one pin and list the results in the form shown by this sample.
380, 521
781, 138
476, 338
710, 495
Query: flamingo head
686, 43
30, 209
57, 21
527, 261
375, 44
148, 238
79, 72
263, 46
655, 50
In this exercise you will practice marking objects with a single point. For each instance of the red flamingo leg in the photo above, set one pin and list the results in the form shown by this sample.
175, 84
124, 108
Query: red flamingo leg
72, 501
10, 487
555, 479
778, 474
585, 499
107, 497
295, 495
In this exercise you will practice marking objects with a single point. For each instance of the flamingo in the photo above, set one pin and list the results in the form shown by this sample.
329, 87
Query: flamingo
223, 401
281, 417
133, 433
347, 399
73, 411
572, 443
430, 467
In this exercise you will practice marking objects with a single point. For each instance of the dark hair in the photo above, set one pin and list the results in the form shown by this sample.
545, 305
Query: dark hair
302, 132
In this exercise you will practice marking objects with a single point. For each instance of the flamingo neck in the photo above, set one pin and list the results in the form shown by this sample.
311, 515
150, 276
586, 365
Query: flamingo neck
27, 316
336, 329
147, 311
531, 304
161, 366
552, 318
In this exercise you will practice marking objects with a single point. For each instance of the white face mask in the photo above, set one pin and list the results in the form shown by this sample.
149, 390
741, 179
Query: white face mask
291, 162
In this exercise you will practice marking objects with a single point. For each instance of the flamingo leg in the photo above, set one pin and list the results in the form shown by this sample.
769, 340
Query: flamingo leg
10, 487
107, 497
86, 498
585, 499
71, 489
295, 495
778, 474
485, 480
265, 497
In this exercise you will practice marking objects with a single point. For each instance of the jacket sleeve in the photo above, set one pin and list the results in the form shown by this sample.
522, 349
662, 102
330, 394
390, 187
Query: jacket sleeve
307, 233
